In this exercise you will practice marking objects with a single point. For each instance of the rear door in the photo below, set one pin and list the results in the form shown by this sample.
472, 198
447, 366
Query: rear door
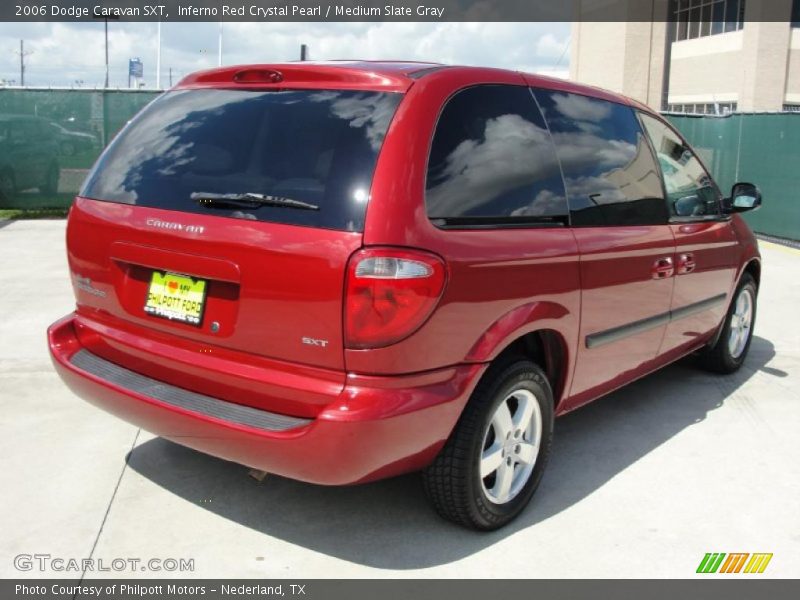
706, 245
626, 247
165, 239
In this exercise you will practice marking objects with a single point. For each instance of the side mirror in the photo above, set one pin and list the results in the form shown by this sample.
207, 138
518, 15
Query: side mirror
744, 197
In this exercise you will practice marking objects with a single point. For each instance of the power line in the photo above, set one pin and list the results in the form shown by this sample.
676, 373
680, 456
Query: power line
563, 53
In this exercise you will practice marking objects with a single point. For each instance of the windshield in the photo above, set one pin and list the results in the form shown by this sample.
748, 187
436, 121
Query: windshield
317, 147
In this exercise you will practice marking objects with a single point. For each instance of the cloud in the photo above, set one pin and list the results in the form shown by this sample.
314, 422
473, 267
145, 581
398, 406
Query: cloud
510, 153
582, 108
549, 46
64, 53
581, 150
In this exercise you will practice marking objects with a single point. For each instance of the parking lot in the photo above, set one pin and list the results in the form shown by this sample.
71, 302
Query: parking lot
642, 483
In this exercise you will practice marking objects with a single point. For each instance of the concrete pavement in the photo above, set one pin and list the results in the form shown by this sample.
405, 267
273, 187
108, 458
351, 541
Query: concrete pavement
641, 484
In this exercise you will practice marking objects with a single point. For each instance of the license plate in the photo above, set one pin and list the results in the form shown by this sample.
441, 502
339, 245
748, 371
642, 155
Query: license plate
176, 297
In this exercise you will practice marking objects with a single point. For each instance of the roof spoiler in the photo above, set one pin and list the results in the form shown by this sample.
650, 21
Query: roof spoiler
297, 75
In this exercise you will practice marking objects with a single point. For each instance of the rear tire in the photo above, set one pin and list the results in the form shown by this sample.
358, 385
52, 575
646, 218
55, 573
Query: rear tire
495, 457
729, 351
50, 185
8, 186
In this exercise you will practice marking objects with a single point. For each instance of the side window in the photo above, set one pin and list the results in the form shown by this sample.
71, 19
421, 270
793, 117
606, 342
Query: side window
492, 161
609, 170
690, 190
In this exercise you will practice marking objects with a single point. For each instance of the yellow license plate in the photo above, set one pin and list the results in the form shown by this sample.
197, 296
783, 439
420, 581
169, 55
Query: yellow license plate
176, 297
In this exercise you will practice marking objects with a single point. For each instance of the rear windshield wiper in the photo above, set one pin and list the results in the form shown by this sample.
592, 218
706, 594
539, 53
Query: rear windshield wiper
248, 200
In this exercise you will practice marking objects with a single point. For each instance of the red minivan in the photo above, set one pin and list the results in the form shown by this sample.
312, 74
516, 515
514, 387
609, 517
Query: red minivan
340, 272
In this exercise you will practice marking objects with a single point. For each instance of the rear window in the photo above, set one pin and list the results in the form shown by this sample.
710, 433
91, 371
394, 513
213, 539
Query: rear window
316, 147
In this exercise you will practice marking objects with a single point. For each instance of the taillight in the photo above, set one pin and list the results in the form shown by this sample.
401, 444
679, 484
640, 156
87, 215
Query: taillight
390, 294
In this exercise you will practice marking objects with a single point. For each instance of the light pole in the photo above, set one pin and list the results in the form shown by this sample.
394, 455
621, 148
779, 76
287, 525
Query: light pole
105, 28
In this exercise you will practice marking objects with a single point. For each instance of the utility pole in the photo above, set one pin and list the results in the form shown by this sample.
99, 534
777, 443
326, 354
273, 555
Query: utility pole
303, 52
22, 55
219, 46
158, 58
106, 84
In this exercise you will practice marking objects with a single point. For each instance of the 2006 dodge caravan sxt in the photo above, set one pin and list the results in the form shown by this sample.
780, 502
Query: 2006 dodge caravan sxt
345, 271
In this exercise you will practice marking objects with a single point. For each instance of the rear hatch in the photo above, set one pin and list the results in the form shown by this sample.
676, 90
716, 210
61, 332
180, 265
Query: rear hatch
221, 221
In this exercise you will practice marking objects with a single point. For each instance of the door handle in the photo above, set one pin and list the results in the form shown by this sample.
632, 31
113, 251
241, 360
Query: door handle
686, 263
663, 268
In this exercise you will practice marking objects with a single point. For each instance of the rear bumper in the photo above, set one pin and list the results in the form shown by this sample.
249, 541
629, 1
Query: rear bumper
376, 427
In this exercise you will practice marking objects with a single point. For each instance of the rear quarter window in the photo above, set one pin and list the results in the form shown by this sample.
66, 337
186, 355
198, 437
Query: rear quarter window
492, 161
318, 147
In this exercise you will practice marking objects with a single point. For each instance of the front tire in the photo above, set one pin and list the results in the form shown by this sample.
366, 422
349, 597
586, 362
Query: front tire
729, 351
495, 457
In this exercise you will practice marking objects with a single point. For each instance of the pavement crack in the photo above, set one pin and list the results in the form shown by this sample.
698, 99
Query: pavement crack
110, 503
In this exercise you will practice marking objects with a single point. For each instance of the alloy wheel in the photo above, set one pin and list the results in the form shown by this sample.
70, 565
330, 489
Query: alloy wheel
510, 446
741, 322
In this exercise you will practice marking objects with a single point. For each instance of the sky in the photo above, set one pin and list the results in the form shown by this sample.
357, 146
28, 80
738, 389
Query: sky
72, 54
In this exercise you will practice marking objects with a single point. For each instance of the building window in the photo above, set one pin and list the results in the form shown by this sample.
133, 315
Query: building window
796, 13
704, 108
791, 108
701, 18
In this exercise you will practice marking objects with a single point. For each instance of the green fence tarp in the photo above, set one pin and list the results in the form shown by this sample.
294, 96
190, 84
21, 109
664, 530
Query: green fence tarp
760, 148
42, 131
76, 124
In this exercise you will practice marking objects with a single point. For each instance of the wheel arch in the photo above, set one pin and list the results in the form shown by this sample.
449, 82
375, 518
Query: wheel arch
542, 340
753, 267
545, 332
548, 349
